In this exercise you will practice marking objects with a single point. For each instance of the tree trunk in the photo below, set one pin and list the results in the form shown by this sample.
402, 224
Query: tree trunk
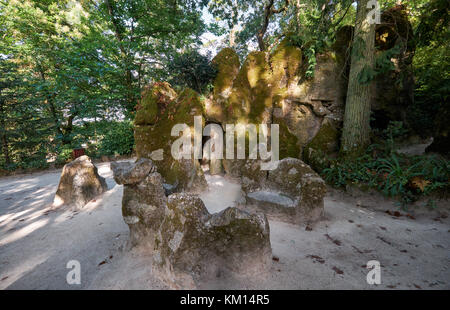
234, 28
355, 135
268, 12
4, 138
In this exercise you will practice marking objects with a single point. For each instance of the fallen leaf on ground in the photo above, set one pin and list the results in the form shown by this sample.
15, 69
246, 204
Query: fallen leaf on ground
335, 241
316, 258
337, 270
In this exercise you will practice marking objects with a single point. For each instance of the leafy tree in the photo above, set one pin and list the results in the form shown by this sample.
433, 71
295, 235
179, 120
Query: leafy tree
192, 69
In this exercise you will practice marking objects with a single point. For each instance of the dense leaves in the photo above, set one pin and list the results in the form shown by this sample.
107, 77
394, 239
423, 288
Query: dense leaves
69, 64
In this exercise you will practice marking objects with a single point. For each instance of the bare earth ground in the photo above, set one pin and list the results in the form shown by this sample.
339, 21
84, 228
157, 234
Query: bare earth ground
36, 243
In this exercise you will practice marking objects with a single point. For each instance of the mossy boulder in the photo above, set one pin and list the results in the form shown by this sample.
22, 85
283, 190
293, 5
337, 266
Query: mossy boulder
227, 64
155, 135
323, 146
251, 98
286, 64
193, 246
154, 101
79, 184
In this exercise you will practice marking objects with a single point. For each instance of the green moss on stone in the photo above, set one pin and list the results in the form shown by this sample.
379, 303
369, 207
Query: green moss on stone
322, 146
227, 65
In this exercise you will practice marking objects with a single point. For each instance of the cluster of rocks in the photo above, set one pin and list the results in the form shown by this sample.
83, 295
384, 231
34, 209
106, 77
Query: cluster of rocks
188, 244
274, 88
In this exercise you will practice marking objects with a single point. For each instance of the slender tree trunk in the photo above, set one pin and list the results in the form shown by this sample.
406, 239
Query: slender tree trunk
355, 135
234, 16
52, 107
4, 138
268, 12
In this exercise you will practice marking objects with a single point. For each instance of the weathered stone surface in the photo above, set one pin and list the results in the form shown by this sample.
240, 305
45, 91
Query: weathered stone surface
272, 89
193, 245
292, 192
131, 173
143, 201
286, 62
233, 167
215, 166
79, 183
159, 110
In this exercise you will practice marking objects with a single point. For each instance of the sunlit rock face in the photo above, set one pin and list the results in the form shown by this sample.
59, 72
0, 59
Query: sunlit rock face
143, 199
292, 192
193, 245
272, 89
79, 184
159, 110
277, 88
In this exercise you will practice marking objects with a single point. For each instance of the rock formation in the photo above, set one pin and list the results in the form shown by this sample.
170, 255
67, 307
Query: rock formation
79, 184
273, 88
186, 242
194, 246
291, 192
159, 110
143, 199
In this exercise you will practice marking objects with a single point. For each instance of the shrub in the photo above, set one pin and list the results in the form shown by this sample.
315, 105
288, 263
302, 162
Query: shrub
404, 177
119, 139
64, 154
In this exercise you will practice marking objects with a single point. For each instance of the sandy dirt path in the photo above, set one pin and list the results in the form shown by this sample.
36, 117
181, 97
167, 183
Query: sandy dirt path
36, 243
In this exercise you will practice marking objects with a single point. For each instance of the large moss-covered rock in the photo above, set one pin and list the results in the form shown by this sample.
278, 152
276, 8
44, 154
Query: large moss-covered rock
286, 64
301, 104
251, 98
291, 192
227, 64
193, 245
324, 144
153, 125
144, 200
154, 102
79, 184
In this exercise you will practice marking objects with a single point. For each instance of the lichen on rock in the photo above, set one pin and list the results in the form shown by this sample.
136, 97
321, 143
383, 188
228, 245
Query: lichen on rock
193, 246
155, 134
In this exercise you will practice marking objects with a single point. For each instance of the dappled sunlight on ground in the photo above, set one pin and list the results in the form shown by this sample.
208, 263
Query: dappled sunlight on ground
36, 242
23, 232
35, 237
